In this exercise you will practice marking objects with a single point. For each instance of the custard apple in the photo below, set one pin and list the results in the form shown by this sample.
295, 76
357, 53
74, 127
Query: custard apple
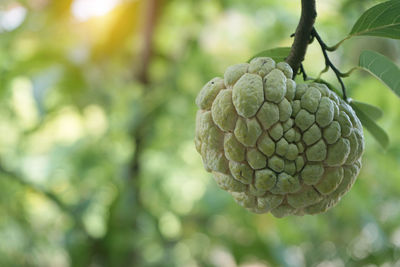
274, 145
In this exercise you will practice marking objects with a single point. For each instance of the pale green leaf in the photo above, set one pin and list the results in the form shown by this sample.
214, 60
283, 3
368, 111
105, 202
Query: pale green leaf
376, 131
373, 112
382, 20
382, 68
278, 54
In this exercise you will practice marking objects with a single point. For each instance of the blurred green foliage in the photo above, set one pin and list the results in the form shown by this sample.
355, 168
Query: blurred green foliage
97, 161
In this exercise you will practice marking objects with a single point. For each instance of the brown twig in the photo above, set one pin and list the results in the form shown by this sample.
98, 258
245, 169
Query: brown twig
302, 35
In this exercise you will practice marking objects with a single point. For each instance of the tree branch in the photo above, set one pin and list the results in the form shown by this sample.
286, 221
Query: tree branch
16, 177
151, 16
302, 35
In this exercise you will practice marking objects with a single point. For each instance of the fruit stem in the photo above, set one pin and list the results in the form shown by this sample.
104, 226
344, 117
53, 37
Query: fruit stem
302, 35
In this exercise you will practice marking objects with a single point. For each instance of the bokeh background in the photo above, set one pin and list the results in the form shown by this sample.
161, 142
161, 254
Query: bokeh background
97, 160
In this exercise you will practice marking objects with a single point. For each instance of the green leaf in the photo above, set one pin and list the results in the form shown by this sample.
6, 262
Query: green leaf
382, 20
377, 132
373, 112
278, 54
382, 68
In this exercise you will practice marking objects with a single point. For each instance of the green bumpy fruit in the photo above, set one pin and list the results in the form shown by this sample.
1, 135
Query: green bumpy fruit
276, 146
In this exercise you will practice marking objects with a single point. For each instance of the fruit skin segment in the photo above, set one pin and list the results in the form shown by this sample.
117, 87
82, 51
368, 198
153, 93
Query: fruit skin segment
274, 145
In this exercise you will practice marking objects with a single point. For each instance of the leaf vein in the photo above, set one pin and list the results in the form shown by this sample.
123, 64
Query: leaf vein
378, 16
374, 29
